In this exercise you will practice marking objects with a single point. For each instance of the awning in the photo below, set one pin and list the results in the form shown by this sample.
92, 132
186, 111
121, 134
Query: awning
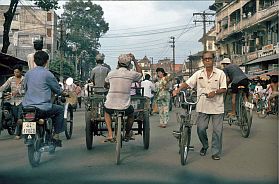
266, 58
7, 63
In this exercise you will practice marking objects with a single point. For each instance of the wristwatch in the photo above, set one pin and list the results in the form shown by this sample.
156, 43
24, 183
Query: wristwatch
215, 92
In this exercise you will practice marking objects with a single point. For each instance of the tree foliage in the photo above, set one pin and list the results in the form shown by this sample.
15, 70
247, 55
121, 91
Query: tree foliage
9, 15
68, 69
84, 24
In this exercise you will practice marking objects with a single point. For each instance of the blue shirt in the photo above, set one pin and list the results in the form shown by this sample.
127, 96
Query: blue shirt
38, 84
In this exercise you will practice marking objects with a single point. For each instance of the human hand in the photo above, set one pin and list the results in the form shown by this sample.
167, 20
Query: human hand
211, 94
132, 56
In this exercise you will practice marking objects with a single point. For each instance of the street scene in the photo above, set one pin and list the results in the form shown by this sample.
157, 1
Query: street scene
139, 91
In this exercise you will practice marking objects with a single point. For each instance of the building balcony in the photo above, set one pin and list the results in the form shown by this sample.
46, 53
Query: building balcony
258, 17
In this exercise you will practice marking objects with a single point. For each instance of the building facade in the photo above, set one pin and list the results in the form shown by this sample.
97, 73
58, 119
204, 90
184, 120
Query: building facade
30, 23
247, 33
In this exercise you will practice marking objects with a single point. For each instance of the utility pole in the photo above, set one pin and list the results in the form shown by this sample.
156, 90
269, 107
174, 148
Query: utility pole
152, 67
173, 52
61, 49
204, 19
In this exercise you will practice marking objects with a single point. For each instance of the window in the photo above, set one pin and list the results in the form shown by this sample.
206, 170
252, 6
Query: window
49, 32
49, 16
49, 47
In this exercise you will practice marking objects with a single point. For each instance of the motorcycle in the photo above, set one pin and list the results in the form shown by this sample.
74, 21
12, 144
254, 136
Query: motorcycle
7, 119
38, 134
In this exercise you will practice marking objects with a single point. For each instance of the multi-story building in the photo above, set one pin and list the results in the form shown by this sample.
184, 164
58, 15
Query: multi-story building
247, 32
30, 23
145, 64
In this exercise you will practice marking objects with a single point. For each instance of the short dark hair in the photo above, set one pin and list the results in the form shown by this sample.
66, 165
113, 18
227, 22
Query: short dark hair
41, 58
18, 67
205, 52
38, 44
147, 77
161, 70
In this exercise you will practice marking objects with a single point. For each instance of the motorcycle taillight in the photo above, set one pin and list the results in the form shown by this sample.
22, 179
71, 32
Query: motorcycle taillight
29, 116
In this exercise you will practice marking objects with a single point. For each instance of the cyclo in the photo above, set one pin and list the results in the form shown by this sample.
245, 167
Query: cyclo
95, 122
244, 111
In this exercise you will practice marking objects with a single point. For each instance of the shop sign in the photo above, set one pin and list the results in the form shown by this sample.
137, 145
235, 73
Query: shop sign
252, 56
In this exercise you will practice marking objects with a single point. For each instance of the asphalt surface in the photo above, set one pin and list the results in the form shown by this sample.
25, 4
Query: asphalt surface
244, 160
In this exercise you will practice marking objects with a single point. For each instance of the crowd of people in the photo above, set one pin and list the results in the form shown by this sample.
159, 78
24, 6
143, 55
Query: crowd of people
36, 86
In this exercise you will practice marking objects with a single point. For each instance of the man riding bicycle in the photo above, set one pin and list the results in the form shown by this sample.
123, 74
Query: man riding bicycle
237, 78
118, 97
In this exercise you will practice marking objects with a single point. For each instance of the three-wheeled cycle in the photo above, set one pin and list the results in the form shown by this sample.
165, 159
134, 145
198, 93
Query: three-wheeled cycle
244, 111
95, 122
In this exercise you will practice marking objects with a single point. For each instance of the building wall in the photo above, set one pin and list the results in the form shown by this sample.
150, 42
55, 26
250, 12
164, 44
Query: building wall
30, 23
247, 30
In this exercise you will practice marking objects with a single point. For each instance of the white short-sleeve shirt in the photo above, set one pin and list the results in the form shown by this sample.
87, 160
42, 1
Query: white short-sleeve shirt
204, 84
120, 82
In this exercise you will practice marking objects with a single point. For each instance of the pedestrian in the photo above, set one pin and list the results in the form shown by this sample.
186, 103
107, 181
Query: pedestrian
78, 93
211, 81
148, 87
163, 96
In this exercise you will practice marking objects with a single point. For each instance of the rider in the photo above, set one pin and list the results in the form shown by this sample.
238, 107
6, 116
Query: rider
237, 78
16, 84
98, 74
118, 97
38, 46
273, 90
39, 84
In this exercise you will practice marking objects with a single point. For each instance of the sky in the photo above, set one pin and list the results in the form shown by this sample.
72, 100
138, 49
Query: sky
144, 28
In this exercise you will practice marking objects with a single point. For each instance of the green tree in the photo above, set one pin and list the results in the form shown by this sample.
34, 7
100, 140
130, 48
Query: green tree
9, 15
68, 69
85, 24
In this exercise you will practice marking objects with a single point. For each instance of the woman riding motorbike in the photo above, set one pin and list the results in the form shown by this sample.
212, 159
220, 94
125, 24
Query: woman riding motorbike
15, 83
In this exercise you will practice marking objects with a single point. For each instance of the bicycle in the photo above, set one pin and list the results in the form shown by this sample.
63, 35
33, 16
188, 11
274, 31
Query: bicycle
184, 133
262, 106
244, 112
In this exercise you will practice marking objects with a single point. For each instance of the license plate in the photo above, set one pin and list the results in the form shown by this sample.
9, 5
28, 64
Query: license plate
29, 128
249, 105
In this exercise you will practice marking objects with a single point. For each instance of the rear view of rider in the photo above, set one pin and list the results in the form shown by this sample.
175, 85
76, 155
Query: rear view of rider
237, 78
99, 73
118, 97
39, 84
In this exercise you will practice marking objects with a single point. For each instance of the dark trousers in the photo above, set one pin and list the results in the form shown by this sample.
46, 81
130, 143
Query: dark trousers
57, 115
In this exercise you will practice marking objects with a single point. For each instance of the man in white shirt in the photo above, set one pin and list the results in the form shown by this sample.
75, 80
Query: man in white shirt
38, 46
211, 81
148, 87
118, 97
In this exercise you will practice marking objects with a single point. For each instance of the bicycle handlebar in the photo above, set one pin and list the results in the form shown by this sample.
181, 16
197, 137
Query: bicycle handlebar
191, 103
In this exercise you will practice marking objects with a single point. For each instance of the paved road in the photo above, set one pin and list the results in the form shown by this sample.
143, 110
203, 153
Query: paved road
250, 160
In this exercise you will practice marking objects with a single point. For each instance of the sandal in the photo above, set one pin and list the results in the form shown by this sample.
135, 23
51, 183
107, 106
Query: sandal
111, 140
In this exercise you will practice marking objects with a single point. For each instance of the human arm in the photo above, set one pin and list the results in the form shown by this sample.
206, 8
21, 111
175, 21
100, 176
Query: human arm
222, 87
53, 84
137, 66
6, 85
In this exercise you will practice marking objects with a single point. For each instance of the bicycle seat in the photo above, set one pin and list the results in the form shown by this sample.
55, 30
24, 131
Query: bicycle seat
119, 113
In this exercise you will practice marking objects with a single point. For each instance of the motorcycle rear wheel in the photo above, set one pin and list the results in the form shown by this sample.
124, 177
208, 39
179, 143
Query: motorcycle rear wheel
34, 155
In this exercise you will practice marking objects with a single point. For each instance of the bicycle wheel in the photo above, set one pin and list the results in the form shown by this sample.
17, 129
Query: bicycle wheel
245, 121
261, 109
68, 123
88, 130
146, 130
118, 140
184, 144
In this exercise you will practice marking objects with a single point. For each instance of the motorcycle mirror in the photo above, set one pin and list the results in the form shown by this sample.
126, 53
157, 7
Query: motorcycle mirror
69, 81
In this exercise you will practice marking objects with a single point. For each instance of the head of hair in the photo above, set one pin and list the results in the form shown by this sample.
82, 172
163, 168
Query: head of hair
274, 79
41, 58
205, 52
147, 77
18, 67
38, 44
161, 70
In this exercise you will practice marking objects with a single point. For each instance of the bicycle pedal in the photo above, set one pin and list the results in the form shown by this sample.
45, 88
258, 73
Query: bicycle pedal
176, 134
191, 148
